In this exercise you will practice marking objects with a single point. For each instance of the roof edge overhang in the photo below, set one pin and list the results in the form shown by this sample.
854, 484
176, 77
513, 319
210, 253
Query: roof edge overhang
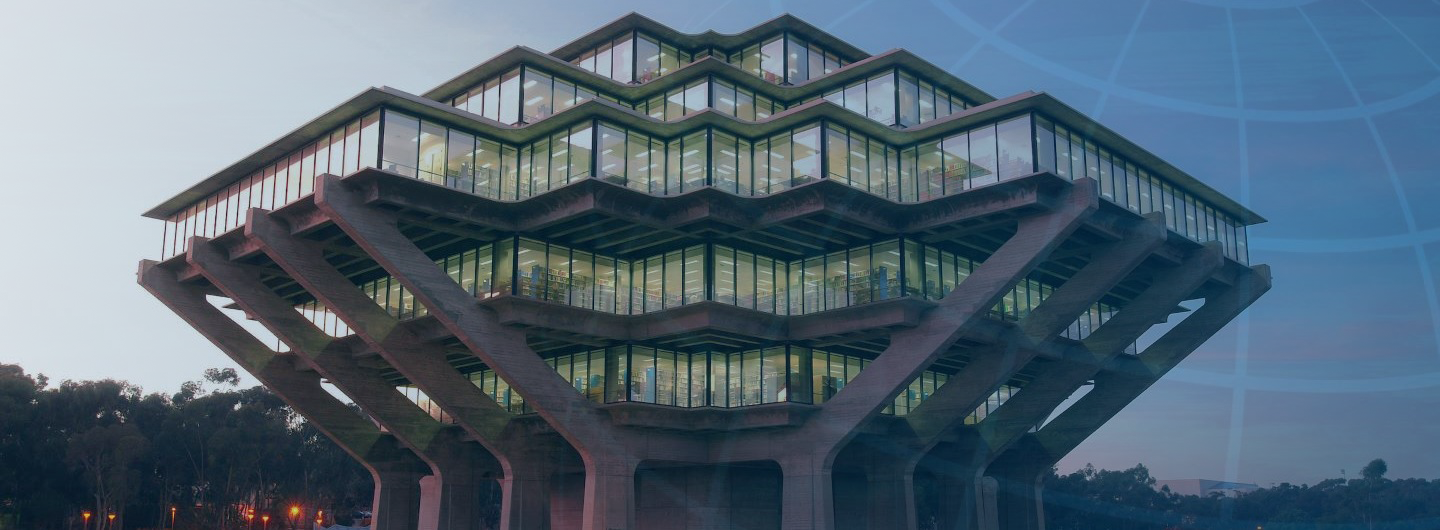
520, 55
373, 98
712, 38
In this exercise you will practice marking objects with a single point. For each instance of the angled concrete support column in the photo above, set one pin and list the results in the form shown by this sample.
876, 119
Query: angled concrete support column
1126, 378
993, 366
1019, 470
607, 503
457, 465
808, 475
395, 470
424, 364
1058, 381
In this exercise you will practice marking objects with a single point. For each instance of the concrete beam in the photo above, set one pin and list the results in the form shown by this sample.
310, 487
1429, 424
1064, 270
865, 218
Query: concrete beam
1114, 389
609, 461
423, 363
992, 366
456, 464
396, 470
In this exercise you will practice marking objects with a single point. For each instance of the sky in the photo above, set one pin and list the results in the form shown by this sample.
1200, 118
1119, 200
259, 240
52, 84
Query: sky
1322, 115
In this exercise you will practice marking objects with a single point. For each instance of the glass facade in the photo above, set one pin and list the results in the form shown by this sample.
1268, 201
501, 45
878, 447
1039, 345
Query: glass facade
560, 274
1069, 153
425, 150
773, 374
786, 58
633, 57
526, 95
897, 98
340, 151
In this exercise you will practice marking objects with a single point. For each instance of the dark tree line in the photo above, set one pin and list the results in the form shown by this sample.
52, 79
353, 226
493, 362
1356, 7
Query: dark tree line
1127, 500
104, 447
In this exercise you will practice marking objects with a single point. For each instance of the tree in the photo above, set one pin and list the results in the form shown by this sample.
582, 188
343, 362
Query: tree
1375, 470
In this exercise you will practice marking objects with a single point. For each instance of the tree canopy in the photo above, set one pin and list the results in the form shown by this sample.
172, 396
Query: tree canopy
106, 447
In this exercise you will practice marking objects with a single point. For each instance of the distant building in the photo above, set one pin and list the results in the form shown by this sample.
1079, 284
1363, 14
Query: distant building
1204, 488
661, 280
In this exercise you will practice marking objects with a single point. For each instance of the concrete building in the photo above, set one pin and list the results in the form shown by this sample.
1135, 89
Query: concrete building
654, 280
1204, 488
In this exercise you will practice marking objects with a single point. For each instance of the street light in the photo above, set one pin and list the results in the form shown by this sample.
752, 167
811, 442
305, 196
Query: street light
294, 515
265, 521
111, 517
172, 518
86, 514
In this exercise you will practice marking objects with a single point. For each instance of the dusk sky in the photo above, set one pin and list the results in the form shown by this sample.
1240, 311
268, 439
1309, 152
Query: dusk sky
1321, 115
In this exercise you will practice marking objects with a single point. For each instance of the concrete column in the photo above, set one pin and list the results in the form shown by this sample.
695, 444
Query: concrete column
610, 468
525, 499
807, 491
1019, 473
609, 493
424, 364
451, 460
395, 470
398, 500
891, 487
1126, 378
992, 366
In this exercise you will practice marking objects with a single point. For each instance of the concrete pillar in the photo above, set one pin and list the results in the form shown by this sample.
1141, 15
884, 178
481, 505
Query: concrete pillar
807, 492
525, 499
609, 493
891, 485
452, 460
398, 500
395, 470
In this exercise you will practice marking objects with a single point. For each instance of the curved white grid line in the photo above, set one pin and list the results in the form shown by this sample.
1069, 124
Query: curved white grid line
992, 38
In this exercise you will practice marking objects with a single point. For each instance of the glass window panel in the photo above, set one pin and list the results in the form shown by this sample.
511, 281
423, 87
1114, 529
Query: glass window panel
674, 104
859, 162
612, 153
780, 162
926, 102
432, 153
930, 171
982, 156
564, 97
648, 63
352, 148
460, 161
771, 60
695, 160
509, 98
725, 98
836, 147
669, 59
491, 107
798, 62
580, 152
955, 150
537, 96
696, 97
817, 64
909, 111
855, 98
806, 154
744, 105
880, 105
725, 161
624, 60
694, 274
1015, 148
